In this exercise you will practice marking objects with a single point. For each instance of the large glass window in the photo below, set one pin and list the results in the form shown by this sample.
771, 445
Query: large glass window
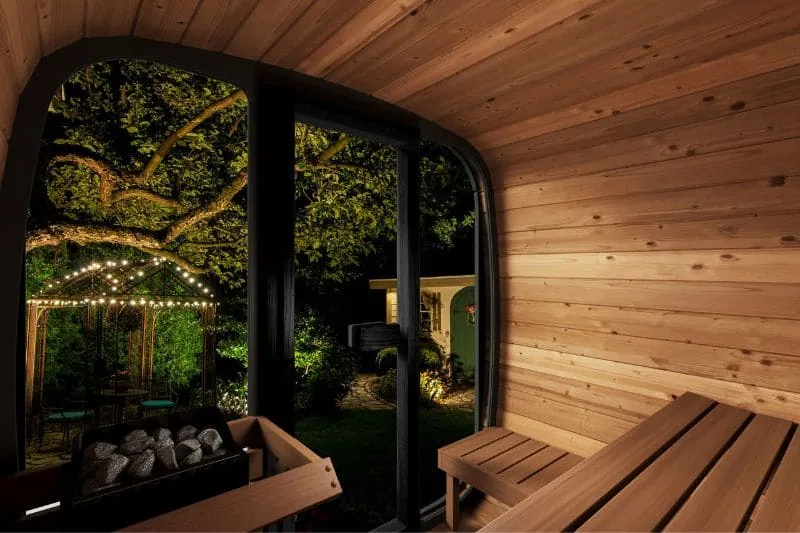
136, 252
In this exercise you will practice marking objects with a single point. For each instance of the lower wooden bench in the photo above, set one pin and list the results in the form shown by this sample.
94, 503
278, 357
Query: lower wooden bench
502, 464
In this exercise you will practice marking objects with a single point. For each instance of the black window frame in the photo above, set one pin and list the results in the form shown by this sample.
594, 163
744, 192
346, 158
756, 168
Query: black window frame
276, 99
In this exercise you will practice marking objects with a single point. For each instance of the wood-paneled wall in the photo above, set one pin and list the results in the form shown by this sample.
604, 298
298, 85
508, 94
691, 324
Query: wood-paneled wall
645, 157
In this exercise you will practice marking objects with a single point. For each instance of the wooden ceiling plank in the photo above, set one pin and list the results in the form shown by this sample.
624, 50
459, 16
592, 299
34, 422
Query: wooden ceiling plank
215, 23
662, 384
551, 51
264, 26
311, 30
771, 56
60, 23
529, 20
19, 24
355, 34
728, 28
525, 186
165, 20
764, 126
721, 502
430, 29
108, 19
775, 87
8, 92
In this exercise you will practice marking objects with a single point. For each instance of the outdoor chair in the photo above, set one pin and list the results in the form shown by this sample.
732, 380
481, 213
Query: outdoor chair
77, 412
163, 398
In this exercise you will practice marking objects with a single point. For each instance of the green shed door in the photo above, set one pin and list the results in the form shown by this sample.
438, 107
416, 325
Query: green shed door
462, 329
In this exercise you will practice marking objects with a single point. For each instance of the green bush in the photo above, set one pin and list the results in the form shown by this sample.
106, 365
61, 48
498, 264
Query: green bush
430, 358
324, 369
232, 398
431, 388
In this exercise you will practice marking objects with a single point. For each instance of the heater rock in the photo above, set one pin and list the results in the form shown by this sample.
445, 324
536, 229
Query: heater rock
158, 444
99, 450
136, 434
111, 468
166, 456
186, 432
210, 439
162, 434
136, 446
142, 464
193, 457
187, 447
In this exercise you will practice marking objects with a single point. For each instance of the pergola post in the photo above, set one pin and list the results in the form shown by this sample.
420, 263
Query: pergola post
30, 355
209, 382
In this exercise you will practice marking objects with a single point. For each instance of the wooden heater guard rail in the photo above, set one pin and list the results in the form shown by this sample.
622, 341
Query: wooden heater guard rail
300, 480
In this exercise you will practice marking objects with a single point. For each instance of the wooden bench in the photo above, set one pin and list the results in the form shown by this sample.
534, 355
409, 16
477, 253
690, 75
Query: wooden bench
695, 465
502, 464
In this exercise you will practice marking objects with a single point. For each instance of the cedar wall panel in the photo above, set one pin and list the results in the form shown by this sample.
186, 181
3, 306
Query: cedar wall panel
651, 252
645, 157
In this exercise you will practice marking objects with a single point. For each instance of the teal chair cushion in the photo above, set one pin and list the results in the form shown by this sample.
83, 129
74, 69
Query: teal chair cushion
158, 404
66, 416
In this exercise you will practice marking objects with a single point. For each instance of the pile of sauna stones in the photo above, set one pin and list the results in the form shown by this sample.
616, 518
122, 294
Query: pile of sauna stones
138, 455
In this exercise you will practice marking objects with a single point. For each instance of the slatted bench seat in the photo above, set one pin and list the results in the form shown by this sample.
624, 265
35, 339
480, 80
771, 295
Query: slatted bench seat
502, 464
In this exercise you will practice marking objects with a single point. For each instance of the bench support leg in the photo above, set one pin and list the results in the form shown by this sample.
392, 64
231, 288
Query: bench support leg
452, 504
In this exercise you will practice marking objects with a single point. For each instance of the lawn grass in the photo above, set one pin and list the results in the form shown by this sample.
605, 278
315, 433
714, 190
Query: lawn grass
362, 445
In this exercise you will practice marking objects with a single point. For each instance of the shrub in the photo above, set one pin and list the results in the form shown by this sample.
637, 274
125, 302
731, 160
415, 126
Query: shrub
324, 369
430, 358
232, 398
431, 388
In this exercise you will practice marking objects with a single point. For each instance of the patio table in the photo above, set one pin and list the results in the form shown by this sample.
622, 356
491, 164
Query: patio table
120, 399
695, 465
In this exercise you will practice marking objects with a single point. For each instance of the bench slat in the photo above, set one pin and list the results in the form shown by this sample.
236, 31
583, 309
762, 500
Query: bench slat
473, 442
722, 501
645, 503
494, 449
780, 510
550, 472
534, 463
513, 456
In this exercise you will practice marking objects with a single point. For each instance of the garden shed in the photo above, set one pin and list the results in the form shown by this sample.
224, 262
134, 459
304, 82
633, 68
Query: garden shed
636, 176
447, 313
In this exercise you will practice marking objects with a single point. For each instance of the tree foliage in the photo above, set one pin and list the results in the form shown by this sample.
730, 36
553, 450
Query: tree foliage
154, 158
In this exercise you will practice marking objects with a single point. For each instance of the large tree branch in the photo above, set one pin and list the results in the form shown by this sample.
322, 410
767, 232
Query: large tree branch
143, 240
187, 128
55, 234
209, 210
328, 153
147, 196
213, 245
107, 176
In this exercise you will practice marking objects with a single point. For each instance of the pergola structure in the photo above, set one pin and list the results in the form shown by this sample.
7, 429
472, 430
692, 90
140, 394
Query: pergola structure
147, 287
